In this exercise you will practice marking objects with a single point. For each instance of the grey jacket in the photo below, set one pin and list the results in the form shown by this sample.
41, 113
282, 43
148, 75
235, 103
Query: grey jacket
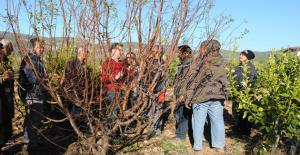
207, 81
181, 77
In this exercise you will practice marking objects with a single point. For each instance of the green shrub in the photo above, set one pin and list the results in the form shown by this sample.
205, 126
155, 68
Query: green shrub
276, 114
172, 71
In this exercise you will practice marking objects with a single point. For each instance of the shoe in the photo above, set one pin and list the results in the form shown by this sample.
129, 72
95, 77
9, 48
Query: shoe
220, 150
151, 134
25, 150
25, 147
197, 152
157, 132
205, 144
175, 138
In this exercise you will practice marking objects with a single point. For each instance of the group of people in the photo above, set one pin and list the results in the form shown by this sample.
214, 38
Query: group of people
31, 91
199, 88
117, 73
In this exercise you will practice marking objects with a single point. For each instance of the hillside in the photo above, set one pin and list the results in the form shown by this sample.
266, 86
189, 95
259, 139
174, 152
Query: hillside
260, 56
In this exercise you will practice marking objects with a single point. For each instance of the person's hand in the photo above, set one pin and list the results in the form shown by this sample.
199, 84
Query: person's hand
119, 75
189, 106
181, 99
8, 74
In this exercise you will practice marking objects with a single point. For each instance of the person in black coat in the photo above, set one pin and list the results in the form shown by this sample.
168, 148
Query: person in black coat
6, 91
243, 125
182, 114
32, 92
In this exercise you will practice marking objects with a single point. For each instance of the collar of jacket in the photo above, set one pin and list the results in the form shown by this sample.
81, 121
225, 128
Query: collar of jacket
77, 62
249, 63
32, 55
186, 61
215, 61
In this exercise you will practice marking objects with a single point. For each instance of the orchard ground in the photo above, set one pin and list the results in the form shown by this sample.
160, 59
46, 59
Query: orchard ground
165, 143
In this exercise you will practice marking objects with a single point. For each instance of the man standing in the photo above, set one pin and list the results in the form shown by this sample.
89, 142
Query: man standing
205, 94
243, 125
113, 76
182, 114
6, 89
113, 70
32, 72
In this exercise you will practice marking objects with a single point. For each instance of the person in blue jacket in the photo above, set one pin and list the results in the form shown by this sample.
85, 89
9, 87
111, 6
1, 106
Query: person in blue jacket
243, 125
32, 92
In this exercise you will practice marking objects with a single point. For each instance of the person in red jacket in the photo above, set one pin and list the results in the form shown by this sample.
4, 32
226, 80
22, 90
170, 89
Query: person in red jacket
113, 78
113, 69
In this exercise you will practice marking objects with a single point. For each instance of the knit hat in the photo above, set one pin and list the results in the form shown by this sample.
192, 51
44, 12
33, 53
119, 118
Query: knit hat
249, 54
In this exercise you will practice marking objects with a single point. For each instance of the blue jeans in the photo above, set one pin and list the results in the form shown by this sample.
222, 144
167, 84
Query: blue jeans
214, 109
182, 116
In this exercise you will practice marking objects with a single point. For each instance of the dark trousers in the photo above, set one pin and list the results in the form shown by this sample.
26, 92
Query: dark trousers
7, 115
183, 121
242, 124
33, 122
158, 118
111, 98
7, 128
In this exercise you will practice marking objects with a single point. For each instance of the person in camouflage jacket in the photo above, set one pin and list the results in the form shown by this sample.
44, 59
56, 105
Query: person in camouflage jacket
205, 94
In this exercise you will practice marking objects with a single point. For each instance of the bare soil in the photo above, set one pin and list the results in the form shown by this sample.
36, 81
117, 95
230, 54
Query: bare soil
58, 140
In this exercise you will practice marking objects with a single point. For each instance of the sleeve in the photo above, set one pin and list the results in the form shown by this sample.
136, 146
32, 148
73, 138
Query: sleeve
160, 81
252, 75
165, 81
29, 73
238, 75
223, 81
1, 81
188, 90
104, 77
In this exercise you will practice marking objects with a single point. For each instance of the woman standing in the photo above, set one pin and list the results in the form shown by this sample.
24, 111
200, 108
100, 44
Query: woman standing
205, 94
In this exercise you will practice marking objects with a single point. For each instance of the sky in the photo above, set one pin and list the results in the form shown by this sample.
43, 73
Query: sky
271, 23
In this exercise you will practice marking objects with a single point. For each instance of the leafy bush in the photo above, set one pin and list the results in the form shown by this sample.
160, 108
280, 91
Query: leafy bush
277, 113
172, 71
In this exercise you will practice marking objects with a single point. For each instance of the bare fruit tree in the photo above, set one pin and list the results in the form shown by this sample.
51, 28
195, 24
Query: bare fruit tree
94, 25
